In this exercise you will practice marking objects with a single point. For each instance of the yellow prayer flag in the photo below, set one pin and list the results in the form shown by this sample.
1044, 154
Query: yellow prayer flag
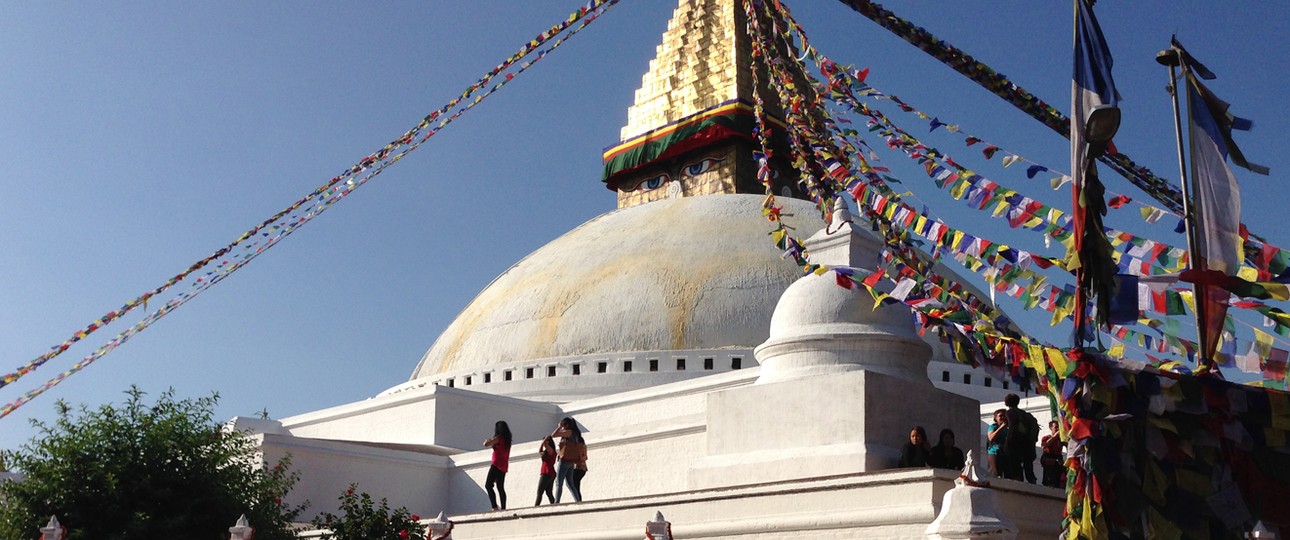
1163, 423
1058, 317
957, 190
1086, 519
1058, 361
1277, 291
877, 296
1280, 411
1263, 342
1274, 437
1162, 528
1193, 482
1154, 483
1035, 358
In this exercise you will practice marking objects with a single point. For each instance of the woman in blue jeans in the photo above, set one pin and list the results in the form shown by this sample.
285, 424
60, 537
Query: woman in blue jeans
572, 452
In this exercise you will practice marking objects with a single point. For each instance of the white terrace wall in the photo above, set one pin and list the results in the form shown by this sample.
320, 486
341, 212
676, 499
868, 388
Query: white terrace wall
415, 480
639, 443
434, 415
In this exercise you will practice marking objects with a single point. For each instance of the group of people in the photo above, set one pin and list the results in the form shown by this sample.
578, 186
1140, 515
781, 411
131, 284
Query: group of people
1010, 447
563, 464
918, 453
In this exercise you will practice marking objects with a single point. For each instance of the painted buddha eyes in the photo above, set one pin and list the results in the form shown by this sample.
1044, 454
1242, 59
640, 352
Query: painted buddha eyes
689, 171
699, 167
654, 182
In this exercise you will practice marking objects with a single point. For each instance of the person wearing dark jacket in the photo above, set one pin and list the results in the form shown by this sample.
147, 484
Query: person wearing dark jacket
1023, 433
916, 451
945, 455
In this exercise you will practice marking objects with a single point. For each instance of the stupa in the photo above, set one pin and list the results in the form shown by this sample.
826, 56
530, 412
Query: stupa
712, 380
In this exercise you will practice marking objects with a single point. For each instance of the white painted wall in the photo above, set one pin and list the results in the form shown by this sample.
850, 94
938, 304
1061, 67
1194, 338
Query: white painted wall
572, 378
434, 415
412, 479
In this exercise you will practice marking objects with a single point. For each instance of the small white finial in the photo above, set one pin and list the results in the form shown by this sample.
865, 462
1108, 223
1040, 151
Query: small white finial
972, 474
659, 529
439, 528
52, 531
1261, 532
242, 530
841, 214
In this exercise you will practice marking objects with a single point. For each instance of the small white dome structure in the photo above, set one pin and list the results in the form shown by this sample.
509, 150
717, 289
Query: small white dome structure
820, 327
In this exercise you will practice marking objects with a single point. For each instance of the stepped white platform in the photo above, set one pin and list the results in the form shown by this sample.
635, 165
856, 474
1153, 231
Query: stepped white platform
889, 504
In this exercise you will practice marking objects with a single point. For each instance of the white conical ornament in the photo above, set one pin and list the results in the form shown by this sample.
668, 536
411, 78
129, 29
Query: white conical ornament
971, 509
53, 530
242, 530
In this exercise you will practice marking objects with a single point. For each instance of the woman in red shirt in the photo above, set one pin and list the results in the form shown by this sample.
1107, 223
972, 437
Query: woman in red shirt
1052, 457
501, 445
547, 479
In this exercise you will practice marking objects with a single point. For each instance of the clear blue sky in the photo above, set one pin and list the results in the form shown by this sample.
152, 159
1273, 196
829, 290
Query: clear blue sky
137, 138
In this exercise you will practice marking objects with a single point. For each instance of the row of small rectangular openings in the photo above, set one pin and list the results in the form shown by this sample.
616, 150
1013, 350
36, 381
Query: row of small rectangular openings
601, 367
967, 379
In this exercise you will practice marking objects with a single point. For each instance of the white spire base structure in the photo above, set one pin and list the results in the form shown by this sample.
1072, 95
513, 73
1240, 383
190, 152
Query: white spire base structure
843, 381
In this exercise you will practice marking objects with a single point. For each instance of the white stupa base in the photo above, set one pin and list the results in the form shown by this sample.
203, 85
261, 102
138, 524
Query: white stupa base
832, 424
842, 348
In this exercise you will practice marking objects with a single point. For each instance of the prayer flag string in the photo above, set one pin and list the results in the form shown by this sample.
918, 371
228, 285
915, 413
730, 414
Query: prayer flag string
272, 230
1158, 188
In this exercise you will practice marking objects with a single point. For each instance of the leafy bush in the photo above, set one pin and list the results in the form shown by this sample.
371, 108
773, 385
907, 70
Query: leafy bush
362, 519
166, 470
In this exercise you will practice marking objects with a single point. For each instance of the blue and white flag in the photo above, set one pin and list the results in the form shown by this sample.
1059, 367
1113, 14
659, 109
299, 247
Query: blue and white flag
1091, 86
1216, 199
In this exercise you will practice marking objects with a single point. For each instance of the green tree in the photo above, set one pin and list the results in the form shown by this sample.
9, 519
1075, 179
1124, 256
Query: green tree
166, 470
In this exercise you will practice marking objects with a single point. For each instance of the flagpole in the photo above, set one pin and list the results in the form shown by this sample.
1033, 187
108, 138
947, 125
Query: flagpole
1172, 57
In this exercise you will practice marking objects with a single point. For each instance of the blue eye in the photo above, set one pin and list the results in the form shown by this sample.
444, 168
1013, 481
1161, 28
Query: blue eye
700, 167
653, 183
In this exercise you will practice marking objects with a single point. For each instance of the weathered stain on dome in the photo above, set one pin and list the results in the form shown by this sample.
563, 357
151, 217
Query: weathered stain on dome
694, 272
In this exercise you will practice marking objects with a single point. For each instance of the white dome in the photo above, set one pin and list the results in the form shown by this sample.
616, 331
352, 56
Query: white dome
821, 328
677, 274
817, 305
